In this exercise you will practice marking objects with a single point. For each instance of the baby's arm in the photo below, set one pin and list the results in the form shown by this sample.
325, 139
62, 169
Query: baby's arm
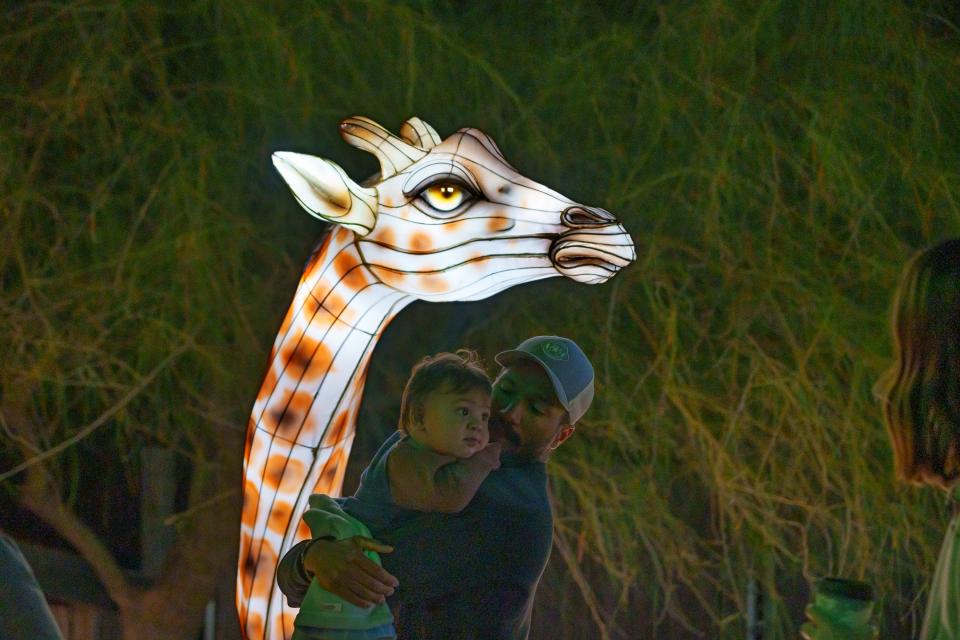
424, 480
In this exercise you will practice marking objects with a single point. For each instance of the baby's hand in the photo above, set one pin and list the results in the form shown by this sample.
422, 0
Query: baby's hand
490, 454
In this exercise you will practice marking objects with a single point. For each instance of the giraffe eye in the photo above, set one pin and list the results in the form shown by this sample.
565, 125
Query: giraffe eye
445, 196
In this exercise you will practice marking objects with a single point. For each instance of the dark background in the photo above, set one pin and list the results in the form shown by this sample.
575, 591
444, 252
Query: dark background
775, 162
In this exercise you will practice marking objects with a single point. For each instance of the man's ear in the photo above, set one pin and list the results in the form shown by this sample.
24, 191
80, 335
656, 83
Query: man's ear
565, 432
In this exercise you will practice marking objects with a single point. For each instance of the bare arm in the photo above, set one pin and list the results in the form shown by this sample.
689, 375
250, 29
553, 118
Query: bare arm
423, 480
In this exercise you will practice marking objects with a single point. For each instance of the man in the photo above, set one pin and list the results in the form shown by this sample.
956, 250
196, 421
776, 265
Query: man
471, 574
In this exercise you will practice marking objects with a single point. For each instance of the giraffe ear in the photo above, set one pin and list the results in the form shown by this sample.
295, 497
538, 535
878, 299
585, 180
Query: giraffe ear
325, 191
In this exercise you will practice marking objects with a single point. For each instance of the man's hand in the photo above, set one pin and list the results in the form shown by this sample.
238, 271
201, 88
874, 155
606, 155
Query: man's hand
340, 567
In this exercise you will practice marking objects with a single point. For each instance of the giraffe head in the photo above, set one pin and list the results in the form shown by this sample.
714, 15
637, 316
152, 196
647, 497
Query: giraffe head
452, 219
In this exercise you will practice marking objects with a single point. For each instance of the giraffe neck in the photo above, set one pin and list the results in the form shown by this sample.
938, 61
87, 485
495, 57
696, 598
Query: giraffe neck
304, 419
319, 359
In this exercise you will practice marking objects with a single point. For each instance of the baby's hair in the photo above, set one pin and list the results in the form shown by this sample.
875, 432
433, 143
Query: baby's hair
453, 372
922, 395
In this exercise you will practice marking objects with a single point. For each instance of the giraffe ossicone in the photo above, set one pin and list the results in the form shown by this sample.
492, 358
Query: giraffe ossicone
445, 220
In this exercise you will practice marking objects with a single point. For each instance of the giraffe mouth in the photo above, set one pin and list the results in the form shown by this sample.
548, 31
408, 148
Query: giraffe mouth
594, 255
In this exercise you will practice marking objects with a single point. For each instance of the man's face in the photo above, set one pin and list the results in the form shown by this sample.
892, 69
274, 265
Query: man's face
525, 415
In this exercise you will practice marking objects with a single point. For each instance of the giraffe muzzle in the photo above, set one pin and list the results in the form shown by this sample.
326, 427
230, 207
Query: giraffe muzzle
594, 249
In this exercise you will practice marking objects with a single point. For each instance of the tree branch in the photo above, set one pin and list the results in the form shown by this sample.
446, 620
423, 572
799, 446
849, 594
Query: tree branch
41, 498
101, 419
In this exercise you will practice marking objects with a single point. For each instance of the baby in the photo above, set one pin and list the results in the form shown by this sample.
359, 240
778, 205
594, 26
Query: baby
439, 462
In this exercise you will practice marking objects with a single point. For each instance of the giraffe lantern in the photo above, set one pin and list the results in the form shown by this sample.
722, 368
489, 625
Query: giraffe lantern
445, 220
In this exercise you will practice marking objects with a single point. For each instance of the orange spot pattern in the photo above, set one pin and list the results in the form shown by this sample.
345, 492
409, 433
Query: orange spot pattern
283, 471
297, 355
421, 242
293, 477
245, 540
310, 306
255, 626
392, 278
248, 441
286, 419
288, 618
271, 418
499, 223
303, 531
280, 516
344, 263
356, 279
336, 430
273, 474
435, 284
312, 263
269, 384
251, 495
328, 476
319, 365
335, 304
266, 564
455, 226
347, 268
387, 237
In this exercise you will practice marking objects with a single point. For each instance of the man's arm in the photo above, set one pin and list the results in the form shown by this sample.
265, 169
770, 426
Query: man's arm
340, 567
423, 480
327, 521
291, 576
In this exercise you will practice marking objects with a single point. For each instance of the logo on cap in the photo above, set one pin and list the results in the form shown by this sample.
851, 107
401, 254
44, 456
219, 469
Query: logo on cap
555, 350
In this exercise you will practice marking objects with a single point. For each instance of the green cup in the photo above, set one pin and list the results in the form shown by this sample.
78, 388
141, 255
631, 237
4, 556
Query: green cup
845, 603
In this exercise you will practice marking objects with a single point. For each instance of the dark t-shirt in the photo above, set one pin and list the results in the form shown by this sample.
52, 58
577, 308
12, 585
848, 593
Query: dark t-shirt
474, 574
471, 574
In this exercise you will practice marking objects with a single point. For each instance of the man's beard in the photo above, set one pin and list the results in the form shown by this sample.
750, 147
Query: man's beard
504, 433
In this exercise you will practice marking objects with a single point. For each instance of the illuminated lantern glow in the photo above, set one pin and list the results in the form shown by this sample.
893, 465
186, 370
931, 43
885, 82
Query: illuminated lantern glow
444, 221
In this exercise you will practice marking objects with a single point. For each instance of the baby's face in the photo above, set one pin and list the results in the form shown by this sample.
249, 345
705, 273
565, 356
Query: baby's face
455, 422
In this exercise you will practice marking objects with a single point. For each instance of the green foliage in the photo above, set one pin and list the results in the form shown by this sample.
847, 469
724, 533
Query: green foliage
776, 163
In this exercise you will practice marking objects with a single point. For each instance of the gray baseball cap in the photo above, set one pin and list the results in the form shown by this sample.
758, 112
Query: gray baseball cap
566, 365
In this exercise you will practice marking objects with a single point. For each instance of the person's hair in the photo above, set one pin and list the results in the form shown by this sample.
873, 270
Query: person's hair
922, 394
450, 372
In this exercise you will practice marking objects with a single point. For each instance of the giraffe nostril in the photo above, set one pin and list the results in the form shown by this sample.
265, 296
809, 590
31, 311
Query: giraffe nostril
592, 254
579, 217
